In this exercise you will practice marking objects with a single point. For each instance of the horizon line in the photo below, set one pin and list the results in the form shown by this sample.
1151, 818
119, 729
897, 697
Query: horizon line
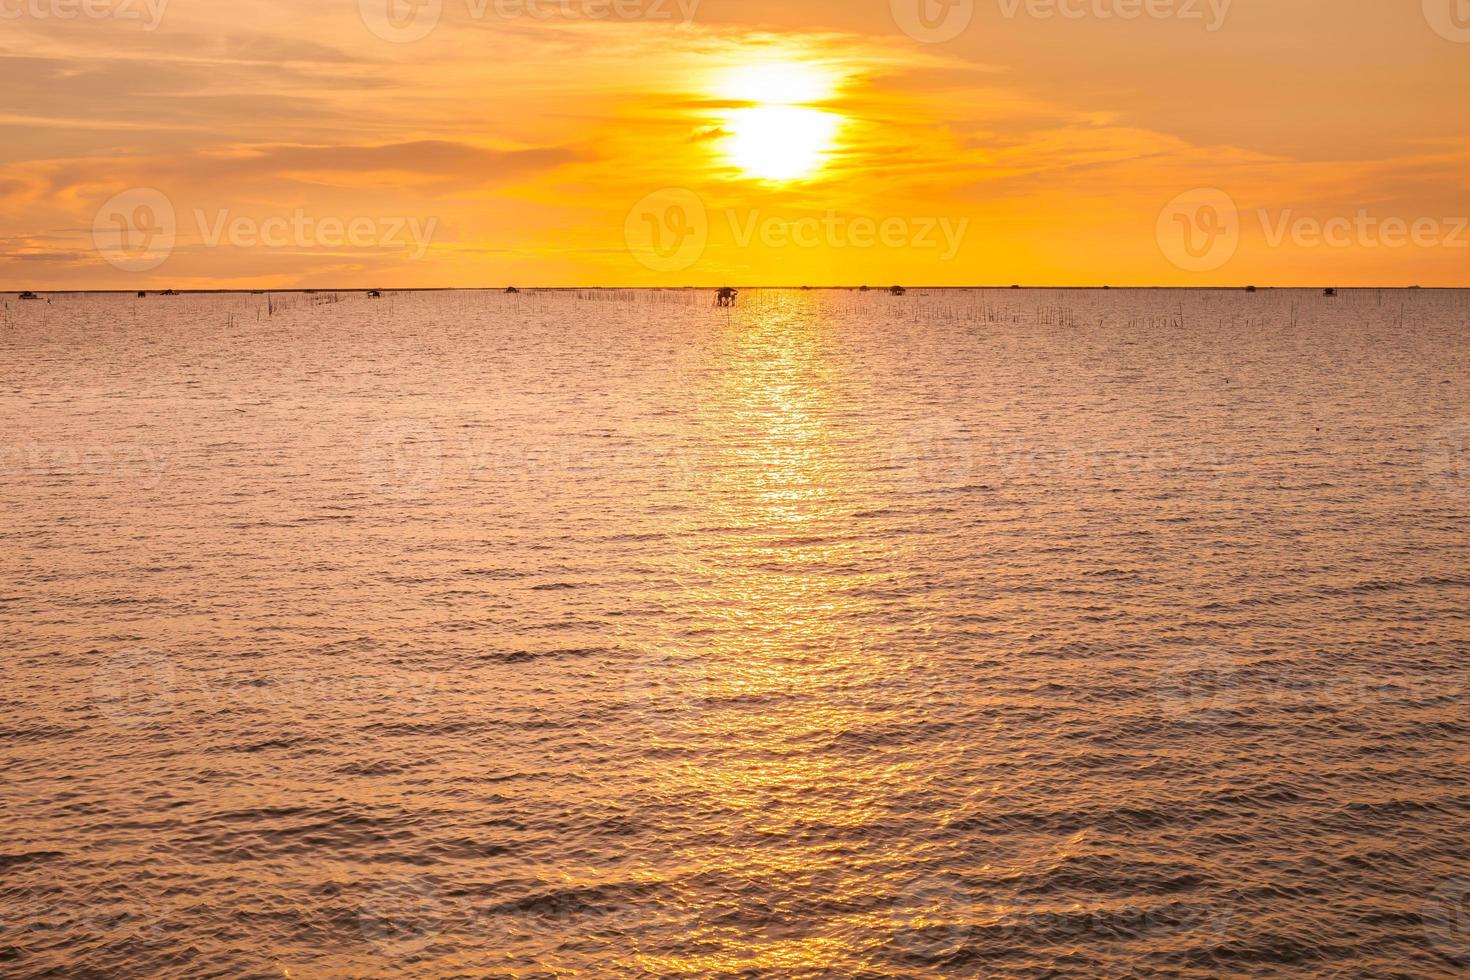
256, 290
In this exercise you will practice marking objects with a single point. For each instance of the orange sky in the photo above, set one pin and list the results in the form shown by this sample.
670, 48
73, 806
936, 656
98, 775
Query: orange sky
203, 144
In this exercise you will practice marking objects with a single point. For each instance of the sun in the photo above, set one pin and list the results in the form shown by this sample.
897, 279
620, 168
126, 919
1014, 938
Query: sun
777, 134
780, 142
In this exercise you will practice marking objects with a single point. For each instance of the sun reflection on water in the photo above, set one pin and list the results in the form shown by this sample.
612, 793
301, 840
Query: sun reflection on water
790, 691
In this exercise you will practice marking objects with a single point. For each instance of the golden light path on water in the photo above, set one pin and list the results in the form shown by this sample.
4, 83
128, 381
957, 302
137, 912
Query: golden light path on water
783, 667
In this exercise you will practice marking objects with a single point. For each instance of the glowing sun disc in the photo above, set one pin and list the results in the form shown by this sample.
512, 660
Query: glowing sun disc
780, 142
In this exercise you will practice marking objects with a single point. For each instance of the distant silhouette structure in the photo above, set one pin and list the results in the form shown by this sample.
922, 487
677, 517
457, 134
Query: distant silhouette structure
511, 290
898, 290
375, 294
1329, 292
29, 295
1250, 289
725, 297
169, 292
142, 294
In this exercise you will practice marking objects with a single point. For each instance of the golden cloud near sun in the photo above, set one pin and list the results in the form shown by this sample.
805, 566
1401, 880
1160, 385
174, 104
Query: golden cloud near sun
780, 136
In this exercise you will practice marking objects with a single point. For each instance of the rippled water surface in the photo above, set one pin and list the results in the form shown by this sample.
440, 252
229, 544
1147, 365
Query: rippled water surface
993, 633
